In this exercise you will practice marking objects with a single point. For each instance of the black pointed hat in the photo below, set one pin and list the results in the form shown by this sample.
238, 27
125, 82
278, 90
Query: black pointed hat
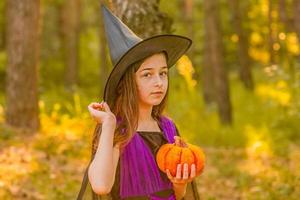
127, 48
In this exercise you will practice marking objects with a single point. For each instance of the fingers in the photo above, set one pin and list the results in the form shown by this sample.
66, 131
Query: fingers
193, 171
178, 173
101, 112
170, 175
106, 107
185, 171
182, 174
102, 105
93, 108
94, 105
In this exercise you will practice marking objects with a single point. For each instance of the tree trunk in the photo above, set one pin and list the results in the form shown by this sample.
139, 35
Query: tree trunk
2, 27
244, 59
142, 17
297, 17
187, 10
22, 63
207, 74
214, 62
284, 17
70, 45
288, 23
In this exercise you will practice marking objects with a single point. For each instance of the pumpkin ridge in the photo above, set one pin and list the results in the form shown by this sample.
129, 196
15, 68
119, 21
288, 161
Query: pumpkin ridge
165, 159
196, 160
180, 159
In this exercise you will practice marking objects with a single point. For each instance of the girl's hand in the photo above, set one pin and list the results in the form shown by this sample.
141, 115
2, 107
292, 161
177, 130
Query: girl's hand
182, 176
101, 113
182, 173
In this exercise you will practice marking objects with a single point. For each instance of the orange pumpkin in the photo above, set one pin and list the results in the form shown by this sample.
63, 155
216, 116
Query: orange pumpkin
169, 155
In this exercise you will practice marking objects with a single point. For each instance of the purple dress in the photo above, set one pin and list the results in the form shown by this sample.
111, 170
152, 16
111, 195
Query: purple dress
162, 188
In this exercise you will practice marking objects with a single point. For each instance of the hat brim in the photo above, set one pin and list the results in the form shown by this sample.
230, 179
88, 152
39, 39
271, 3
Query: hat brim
174, 45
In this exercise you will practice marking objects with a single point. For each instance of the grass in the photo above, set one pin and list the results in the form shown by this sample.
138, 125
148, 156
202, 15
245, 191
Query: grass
255, 158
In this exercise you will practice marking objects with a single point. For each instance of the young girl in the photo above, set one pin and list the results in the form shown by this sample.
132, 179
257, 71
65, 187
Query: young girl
131, 126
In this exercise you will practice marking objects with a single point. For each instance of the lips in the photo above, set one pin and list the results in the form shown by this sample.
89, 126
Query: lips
159, 92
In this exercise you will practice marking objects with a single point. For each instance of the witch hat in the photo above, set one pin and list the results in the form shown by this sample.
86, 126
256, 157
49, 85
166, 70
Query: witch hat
127, 48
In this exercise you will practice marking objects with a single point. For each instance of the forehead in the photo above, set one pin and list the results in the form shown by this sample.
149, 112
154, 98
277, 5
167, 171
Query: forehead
154, 61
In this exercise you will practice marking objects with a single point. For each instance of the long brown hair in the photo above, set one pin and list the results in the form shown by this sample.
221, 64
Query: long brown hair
126, 109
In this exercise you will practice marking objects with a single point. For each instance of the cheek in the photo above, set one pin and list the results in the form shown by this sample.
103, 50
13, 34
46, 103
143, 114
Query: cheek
142, 88
143, 84
166, 83
142, 92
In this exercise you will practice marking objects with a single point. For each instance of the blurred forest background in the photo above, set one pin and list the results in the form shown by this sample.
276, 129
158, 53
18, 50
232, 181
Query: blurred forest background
236, 93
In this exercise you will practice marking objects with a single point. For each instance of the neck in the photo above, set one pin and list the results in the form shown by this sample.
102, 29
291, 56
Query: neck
146, 121
145, 113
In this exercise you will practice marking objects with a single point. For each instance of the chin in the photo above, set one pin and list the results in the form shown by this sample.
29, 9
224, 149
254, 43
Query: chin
155, 103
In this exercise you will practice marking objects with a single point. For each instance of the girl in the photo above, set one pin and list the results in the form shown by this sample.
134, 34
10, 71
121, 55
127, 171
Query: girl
130, 125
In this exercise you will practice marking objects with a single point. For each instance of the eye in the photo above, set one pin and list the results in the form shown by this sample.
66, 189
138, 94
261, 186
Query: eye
147, 75
164, 73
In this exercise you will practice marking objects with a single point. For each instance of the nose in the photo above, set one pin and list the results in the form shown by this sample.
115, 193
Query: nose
158, 81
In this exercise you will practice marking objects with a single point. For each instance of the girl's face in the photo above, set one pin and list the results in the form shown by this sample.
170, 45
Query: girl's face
152, 80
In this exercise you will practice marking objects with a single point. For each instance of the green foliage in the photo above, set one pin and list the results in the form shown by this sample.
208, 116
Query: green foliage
255, 158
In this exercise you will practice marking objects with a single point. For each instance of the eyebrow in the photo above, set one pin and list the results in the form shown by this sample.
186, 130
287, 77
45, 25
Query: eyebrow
150, 68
